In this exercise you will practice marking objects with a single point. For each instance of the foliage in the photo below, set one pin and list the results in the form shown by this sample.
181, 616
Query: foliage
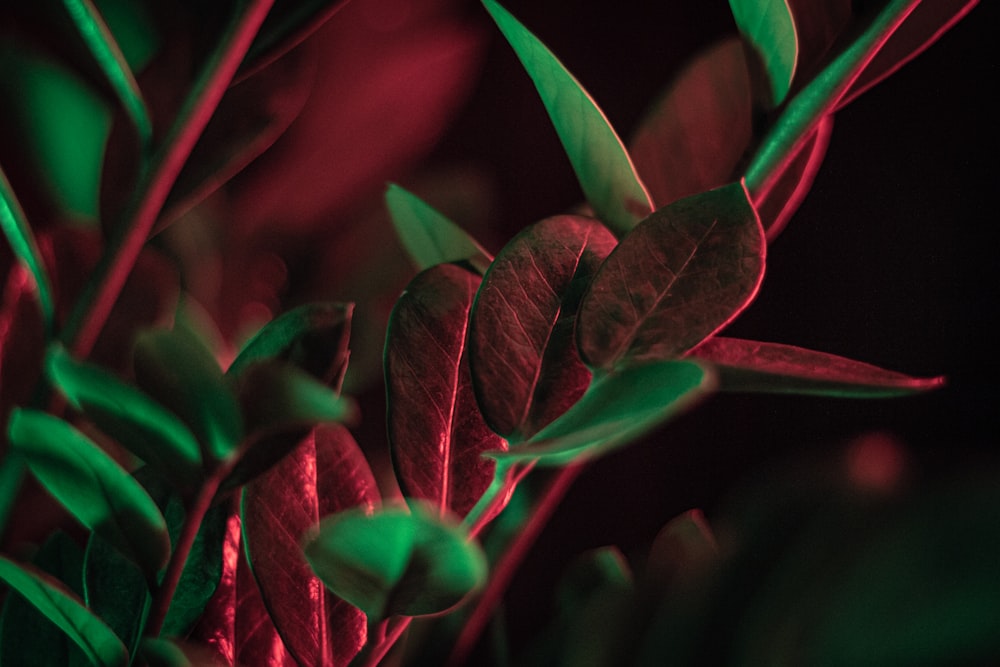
219, 509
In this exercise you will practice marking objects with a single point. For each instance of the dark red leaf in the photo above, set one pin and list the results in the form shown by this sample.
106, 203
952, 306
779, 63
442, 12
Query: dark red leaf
817, 26
281, 510
677, 278
436, 431
287, 24
525, 367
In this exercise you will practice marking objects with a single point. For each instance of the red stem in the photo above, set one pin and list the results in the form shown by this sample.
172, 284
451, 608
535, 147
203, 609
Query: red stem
386, 643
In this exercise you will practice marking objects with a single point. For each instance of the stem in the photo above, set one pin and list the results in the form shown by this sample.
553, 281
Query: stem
94, 306
503, 573
820, 98
386, 643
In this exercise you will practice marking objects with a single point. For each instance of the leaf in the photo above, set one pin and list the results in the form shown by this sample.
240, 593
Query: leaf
132, 418
747, 365
116, 590
156, 652
522, 353
288, 23
396, 561
428, 236
683, 548
616, 409
436, 433
680, 276
95, 489
818, 25
767, 26
18, 232
276, 395
63, 608
326, 474
601, 163
177, 370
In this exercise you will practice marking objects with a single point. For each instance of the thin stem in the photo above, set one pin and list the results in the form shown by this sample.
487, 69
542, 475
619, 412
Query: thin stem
512, 558
386, 643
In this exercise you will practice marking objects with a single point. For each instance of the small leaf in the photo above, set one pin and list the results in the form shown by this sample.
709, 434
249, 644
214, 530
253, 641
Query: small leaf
136, 421
396, 561
18, 232
680, 276
428, 236
63, 608
525, 367
95, 489
682, 549
327, 473
747, 365
601, 163
617, 409
436, 432
767, 26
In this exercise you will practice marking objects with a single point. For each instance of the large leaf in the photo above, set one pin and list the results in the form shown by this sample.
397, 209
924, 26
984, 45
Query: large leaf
436, 432
396, 561
616, 409
522, 353
681, 275
768, 27
128, 415
15, 227
599, 159
65, 609
747, 365
95, 489
326, 474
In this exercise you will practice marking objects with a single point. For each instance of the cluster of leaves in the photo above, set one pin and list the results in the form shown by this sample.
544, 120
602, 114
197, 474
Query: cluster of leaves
583, 333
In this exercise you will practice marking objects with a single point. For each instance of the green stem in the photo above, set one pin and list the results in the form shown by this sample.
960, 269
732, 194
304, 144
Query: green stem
819, 98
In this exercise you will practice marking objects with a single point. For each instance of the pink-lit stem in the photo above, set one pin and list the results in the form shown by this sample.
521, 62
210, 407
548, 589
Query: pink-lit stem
386, 643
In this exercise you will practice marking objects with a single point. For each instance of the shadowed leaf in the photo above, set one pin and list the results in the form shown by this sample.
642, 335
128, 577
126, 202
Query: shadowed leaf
15, 227
683, 548
287, 24
681, 275
747, 365
115, 589
767, 26
326, 474
599, 159
817, 27
522, 353
436, 432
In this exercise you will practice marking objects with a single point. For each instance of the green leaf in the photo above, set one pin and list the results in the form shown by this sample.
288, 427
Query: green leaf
767, 26
18, 232
135, 420
396, 561
617, 409
601, 163
276, 395
428, 236
115, 589
95, 489
63, 608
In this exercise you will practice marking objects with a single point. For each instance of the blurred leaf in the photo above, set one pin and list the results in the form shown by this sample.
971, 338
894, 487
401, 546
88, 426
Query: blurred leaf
616, 409
288, 24
95, 489
680, 276
396, 561
428, 236
747, 365
327, 473
132, 418
767, 26
817, 27
436, 432
522, 353
588, 573
116, 590
156, 652
18, 232
63, 608
177, 370
683, 548
599, 159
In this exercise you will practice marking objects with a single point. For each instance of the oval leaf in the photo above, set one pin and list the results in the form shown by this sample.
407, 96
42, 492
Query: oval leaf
525, 367
326, 474
767, 26
748, 365
95, 489
601, 163
683, 274
396, 561
436, 432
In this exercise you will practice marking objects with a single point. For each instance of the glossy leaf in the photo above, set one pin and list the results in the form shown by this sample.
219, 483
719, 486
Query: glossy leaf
522, 353
601, 163
767, 26
396, 561
65, 609
616, 409
326, 474
680, 276
747, 365
436, 432
22, 241
428, 236
128, 415
177, 370
95, 489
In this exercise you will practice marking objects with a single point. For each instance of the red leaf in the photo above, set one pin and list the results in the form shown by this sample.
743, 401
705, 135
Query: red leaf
817, 26
525, 367
326, 474
436, 431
